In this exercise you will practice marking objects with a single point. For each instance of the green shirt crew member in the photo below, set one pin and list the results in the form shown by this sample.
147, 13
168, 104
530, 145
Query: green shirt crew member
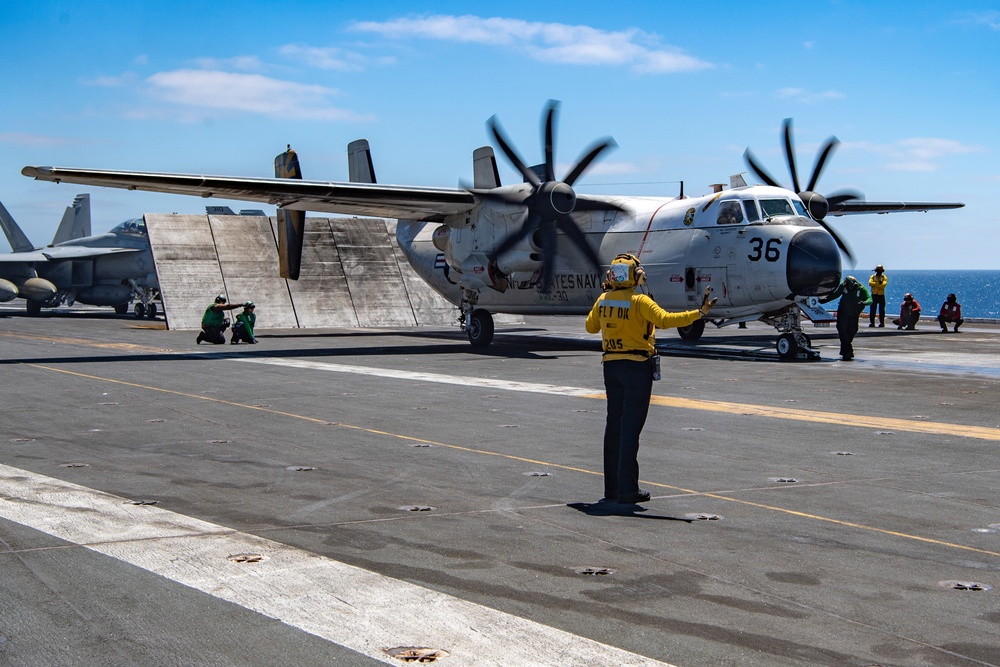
243, 329
626, 321
213, 322
853, 299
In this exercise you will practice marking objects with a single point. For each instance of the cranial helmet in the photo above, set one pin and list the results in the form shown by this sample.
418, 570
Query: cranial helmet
626, 271
907, 297
879, 268
221, 298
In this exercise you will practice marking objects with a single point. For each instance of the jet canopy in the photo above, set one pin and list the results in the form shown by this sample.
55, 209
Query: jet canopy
133, 227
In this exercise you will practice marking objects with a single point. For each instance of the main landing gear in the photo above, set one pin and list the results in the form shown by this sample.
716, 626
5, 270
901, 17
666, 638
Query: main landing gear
476, 322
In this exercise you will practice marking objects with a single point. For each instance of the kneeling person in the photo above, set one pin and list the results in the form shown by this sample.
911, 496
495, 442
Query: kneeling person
214, 323
243, 329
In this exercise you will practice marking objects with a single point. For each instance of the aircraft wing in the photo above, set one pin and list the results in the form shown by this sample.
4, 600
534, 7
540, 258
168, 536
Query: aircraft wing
857, 206
57, 253
384, 201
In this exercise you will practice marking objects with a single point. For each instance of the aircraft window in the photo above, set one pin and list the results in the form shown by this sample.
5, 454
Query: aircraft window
800, 208
776, 207
729, 213
750, 206
134, 227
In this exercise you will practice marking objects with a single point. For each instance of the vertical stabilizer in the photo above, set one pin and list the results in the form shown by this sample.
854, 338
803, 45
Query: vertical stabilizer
15, 237
360, 168
484, 169
75, 222
291, 224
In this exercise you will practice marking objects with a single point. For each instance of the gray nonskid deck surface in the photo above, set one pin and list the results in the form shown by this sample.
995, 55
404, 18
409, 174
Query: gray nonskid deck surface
816, 513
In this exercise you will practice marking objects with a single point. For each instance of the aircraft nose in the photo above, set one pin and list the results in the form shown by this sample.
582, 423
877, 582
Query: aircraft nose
813, 263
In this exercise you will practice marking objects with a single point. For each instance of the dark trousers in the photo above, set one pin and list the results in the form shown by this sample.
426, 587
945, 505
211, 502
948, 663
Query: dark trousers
847, 329
943, 321
878, 302
213, 334
629, 385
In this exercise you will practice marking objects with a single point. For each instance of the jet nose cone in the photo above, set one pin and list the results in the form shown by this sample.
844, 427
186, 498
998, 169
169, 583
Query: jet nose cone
813, 263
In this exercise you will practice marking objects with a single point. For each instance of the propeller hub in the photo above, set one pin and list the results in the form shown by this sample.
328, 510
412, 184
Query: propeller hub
556, 195
816, 204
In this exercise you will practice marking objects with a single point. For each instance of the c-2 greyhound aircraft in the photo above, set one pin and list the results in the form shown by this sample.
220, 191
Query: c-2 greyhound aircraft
109, 269
538, 247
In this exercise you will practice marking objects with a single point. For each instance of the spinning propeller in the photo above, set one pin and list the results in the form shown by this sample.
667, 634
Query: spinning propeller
817, 205
551, 203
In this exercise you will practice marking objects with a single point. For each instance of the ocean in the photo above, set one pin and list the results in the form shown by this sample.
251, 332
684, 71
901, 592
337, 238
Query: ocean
977, 291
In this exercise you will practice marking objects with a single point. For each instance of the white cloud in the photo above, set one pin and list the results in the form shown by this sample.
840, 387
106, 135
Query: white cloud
808, 97
34, 140
126, 79
328, 58
242, 63
547, 42
990, 19
917, 154
227, 91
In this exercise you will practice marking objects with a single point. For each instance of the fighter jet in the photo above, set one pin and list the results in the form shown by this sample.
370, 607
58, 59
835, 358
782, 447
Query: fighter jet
112, 269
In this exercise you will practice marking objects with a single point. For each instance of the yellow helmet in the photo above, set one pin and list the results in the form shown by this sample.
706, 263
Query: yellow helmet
626, 271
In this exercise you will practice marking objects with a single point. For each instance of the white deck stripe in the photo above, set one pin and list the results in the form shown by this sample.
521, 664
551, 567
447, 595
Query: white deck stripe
355, 608
488, 383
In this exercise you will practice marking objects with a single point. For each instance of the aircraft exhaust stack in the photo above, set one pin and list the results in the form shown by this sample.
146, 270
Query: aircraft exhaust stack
291, 224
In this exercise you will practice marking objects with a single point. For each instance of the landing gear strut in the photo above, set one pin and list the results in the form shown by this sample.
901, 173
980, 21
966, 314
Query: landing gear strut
792, 343
476, 322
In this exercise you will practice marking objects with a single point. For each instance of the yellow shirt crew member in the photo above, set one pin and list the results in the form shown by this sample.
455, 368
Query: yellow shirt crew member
627, 320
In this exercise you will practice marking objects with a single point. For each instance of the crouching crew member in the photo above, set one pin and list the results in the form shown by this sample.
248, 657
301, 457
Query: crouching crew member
627, 320
951, 311
243, 329
214, 323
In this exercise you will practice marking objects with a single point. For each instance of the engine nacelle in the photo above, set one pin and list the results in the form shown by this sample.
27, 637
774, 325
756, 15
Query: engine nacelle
37, 289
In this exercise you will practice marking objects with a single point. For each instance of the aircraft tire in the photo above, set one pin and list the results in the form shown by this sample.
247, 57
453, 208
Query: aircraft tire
121, 309
692, 331
34, 308
139, 310
786, 346
481, 328
151, 311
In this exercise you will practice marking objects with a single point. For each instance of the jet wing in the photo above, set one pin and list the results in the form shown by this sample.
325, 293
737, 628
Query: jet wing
385, 201
856, 206
56, 254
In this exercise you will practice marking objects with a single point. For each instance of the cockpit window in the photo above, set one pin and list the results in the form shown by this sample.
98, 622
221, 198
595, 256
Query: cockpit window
729, 213
134, 227
800, 208
750, 206
776, 207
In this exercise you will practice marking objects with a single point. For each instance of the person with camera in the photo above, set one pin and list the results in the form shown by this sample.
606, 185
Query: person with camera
626, 320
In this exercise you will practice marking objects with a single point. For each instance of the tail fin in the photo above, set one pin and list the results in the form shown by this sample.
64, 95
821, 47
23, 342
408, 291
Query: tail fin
359, 162
18, 241
75, 221
484, 169
291, 224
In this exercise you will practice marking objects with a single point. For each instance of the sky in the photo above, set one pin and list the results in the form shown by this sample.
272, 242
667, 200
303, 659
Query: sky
909, 88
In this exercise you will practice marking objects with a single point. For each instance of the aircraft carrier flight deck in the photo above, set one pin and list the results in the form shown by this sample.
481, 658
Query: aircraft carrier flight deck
382, 496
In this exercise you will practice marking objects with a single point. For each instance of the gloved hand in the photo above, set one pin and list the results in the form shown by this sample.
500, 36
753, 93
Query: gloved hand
707, 303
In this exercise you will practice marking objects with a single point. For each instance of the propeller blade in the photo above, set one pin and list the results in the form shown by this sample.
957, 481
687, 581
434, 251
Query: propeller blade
790, 154
584, 203
585, 161
514, 198
550, 170
548, 239
762, 174
529, 175
841, 197
569, 227
840, 243
529, 225
831, 144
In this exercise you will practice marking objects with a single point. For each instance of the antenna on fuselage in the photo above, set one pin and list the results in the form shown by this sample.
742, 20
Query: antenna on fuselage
682, 191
